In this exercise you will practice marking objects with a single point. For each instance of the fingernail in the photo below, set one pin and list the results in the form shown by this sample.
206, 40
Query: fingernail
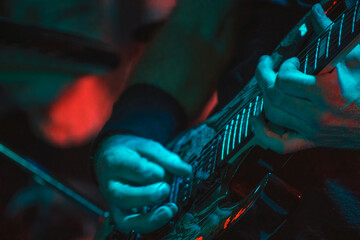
164, 214
173, 207
318, 9
163, 189
188, 168
263, 58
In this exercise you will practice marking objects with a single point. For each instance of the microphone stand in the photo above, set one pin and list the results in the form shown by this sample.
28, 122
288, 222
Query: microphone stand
39, 174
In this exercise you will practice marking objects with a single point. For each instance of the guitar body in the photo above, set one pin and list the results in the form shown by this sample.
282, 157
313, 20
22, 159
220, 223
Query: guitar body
236, 183
243, 192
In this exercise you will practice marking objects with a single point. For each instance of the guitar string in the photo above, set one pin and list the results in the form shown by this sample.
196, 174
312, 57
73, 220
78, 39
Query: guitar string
213, 141
348, 17
244, 107
221, 130
337, 20
311, 54
311, 60
311, 49
204, 158
308, 52
347, 22
206, 151
332, 44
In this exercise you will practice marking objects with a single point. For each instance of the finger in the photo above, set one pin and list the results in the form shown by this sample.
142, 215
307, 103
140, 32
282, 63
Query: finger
145, 223
292, 81
128, 197
283, 103
319, 19
265, 74
170, 161
279, 141
124, 163
287, 120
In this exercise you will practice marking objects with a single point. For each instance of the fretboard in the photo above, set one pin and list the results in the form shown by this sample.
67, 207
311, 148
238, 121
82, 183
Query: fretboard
236, 131
340, 35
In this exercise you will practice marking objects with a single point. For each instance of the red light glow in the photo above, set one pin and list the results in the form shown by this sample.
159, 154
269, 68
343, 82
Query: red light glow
331, 7
227, 222
199, 238
81, 110
238, 214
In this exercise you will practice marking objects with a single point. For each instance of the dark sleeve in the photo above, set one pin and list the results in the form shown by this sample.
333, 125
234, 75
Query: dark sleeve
146, 111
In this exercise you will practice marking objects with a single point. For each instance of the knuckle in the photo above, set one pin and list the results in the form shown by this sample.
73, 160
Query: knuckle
149, 171
151, 144
259, 71
282, 76
114, 193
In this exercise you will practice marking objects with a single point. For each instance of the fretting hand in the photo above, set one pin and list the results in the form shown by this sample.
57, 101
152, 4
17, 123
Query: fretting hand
322, 110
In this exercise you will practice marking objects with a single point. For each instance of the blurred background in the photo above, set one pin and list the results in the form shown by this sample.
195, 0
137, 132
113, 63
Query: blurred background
63, 63
52, 105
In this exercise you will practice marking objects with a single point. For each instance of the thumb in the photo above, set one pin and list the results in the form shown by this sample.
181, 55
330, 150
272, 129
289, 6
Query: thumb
319, 19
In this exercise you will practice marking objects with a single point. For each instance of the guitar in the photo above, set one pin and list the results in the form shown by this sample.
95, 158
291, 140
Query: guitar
233, 180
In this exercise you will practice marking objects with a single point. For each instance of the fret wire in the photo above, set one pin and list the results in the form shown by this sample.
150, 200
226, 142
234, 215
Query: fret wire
241, 124
223, 147
354, 18
341, 27
328, 42
306, 63
236, 123
317, 53
229, 137
225, 133
308, 50
256, 103
247, 120
346, 20
332, 43
312, 48
261, 108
